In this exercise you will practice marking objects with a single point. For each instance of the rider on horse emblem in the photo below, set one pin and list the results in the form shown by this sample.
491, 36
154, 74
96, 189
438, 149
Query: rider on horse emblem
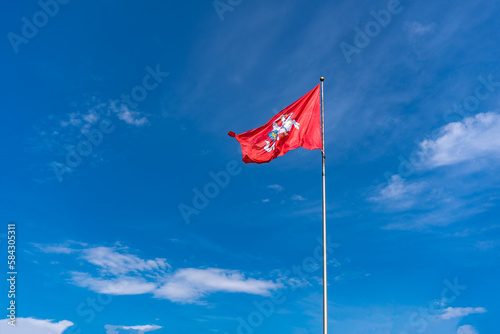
280, 131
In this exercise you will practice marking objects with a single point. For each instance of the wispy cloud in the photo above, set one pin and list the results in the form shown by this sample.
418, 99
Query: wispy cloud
298, 198
486, 245
58, 135
66, 248
417, 29
111, 329
276, 187
455, 312
56, 249
398, 189
474, 138
185, 286
88, 115
422, 203
189, 285
430, 197
131, 117
440, 212
113, 286
467, 329
110, 260
32, 325
399, 194
122, 273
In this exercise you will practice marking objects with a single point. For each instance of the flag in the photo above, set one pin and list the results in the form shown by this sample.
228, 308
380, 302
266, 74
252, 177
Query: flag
299, 124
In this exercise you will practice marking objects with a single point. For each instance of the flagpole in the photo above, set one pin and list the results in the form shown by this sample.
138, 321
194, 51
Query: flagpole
325, 300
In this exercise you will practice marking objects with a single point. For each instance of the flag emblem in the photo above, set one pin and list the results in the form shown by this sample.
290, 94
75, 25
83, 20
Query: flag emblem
280, 131
298, 125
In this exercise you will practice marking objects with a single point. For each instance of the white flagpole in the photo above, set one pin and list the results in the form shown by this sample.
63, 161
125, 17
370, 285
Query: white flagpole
325, 300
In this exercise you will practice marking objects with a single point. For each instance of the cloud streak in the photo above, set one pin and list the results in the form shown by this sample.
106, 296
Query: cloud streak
459, 150
113, 262
32, 325
474, 138
111, 329
276, 187
119, 286
122, 273
399, 194
456, 312
189, 285
467, 329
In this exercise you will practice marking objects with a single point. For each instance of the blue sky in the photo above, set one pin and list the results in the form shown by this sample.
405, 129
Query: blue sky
115, 113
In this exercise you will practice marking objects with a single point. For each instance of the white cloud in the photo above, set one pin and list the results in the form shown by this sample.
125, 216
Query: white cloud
444, 212
121, 273
95, 111
474, 143
91, 117
111, 261
65, 248
400, 194
114, 286
454, 312
298, 198
189, 285
397, 189
416, 29
57, 135
111, 329
485, 245
83, 121
276, 187
56, 249
467, 329
475, 137
35, 326
129, 116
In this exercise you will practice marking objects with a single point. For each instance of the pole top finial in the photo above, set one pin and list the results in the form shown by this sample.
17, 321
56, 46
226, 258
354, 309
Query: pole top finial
322, 79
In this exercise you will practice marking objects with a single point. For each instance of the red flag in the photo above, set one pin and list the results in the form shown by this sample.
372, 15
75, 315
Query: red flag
297, 125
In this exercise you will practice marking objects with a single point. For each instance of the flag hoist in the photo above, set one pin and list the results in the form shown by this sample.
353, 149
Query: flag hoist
301, 124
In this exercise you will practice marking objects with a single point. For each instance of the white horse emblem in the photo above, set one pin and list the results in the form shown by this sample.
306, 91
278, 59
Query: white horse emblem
280, 131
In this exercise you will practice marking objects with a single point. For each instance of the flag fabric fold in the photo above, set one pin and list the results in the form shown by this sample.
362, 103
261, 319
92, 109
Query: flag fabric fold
298, 125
